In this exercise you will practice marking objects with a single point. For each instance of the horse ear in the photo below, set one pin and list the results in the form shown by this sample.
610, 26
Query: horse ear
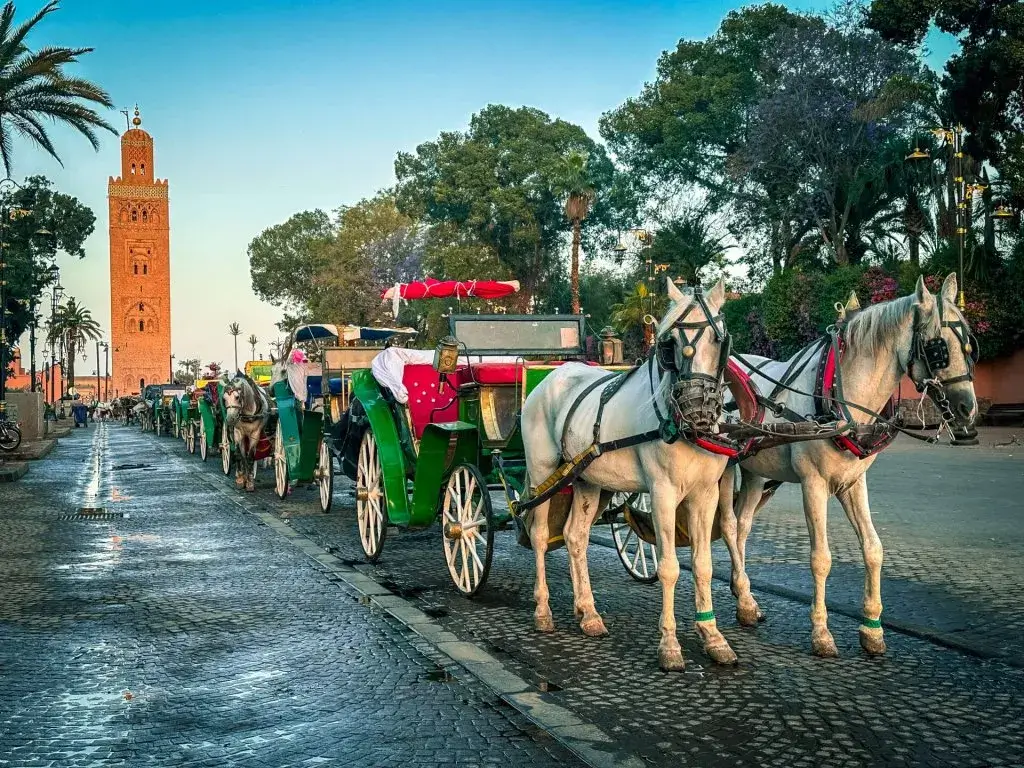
922, 294
949, 288
716, 296
853, 303
674, 294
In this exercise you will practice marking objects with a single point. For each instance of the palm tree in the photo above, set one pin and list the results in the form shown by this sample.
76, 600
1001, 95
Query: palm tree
74, 327
574, 183
253, 341
235, 331
688, 243
35, 90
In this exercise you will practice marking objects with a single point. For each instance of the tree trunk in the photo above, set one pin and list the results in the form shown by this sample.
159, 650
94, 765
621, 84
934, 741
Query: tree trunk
71, 363
574, 274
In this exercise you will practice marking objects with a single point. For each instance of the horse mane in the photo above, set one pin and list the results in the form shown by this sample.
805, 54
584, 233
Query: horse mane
675, 311
878, 324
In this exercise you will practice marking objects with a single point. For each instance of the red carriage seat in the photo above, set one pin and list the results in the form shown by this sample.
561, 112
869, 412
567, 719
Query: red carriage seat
491, 374
421, 380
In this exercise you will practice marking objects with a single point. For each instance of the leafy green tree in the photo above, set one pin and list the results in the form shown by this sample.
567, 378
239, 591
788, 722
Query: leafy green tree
984, 79
35, 89
73, 327
688, 243
499, 181
29, 253
686, 126
376, 245
285, 260
838, 97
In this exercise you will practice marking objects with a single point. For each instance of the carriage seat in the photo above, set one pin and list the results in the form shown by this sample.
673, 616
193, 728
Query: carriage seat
491, 374
314, 389
421, 380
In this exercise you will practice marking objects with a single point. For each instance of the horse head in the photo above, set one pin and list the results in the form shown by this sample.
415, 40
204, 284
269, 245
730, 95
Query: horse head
944, 352
239, 400
692, 347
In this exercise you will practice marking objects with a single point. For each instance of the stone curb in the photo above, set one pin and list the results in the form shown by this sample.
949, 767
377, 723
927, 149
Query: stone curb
589, 743
917, 631
12, 470
32, 450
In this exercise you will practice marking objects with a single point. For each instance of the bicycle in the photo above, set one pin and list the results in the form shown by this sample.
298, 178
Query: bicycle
10, 434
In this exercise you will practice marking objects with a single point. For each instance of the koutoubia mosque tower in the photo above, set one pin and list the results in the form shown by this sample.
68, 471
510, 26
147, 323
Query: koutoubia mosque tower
140, 268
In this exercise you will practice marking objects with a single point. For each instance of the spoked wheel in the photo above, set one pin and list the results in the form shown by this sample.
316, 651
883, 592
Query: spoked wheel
190, 438
639, 557
225, 450
467, 529
204, 447
175, 429
325, 476
280, 464
371, 511
157, 427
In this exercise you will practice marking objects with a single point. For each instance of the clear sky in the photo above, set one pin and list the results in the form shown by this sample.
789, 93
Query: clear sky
262, 108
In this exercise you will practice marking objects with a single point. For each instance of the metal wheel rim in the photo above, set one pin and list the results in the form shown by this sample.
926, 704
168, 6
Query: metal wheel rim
326, 479
370, 514
467, 504
638, 557
280, 464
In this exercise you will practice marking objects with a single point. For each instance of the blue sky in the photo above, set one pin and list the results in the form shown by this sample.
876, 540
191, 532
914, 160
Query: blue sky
262, 108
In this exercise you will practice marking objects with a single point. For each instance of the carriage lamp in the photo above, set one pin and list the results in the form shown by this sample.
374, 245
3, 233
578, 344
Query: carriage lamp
446, 359
611, 347
1002, 213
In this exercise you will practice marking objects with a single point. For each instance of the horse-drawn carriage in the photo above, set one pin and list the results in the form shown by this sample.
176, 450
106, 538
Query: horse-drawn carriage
430, 434
165, 413
312, 403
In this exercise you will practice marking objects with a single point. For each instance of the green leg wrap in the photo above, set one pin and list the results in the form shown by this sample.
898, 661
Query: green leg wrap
705, 616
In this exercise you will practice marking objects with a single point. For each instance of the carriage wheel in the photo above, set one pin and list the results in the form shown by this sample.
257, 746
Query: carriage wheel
159, 427
204, 447
190, 438
371, 510
325, 476
225, 450
639, 557
467, 529
175, 428
280, 464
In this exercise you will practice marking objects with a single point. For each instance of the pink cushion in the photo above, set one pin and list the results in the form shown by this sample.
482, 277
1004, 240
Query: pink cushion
492, 373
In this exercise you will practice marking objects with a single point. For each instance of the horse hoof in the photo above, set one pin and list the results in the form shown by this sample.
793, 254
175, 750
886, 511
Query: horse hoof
544, 623
721, 654
872, 641
594, 627
824, 646
671, 661
749, 617
250, 488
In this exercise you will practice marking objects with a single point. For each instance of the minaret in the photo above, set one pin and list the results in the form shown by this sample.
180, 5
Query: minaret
140, 274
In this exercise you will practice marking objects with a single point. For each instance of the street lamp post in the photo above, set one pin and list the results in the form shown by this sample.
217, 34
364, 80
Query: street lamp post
644, 238
171, 380
55, 294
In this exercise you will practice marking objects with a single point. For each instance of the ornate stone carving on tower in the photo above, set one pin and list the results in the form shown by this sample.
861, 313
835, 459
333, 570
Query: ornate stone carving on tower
140, 274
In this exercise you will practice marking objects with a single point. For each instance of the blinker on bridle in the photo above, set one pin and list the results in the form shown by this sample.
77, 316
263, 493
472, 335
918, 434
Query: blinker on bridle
934, 353
665, 347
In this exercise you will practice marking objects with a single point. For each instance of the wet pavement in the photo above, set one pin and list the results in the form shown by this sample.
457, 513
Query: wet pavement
189, 633
163, 625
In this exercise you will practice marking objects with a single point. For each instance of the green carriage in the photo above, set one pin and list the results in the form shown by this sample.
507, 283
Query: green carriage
304, 436
165, 409
431, 434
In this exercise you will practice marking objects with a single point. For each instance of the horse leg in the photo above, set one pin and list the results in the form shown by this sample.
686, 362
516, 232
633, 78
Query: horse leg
855, 503
737, 517
250, 468
585, 508
542, 618
239, 459
663, 509
815, 511
700, 508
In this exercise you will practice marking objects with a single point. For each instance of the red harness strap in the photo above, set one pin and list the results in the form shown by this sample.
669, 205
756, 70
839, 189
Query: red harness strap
826, 397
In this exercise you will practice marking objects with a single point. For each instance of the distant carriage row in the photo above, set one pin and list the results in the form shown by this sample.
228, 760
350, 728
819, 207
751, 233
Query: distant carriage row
500, 407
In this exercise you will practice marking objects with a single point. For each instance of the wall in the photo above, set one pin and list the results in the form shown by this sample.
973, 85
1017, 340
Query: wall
27, 408
998, 381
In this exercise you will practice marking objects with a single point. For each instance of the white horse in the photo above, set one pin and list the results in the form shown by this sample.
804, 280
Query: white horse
882, 344
247, 412
679, 476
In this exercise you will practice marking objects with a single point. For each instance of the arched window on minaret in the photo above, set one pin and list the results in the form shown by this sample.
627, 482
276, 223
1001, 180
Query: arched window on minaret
143, 171
135, 215
142, 325
135, 268
133, 169
145, 216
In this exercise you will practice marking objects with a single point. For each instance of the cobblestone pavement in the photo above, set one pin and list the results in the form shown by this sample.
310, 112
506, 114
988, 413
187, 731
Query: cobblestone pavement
950, 522
184, 633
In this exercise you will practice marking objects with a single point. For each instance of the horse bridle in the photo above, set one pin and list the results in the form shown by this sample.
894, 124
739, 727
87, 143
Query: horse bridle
933, 354
696, 400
